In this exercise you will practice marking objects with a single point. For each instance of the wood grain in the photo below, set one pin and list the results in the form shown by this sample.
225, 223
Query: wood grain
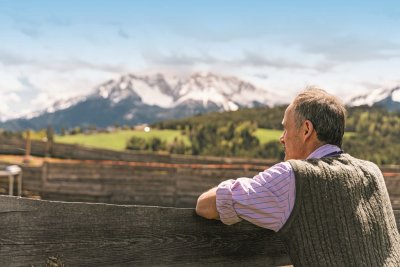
34, 232
82, 234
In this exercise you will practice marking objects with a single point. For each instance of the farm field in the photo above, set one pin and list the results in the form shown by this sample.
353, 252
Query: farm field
117, 140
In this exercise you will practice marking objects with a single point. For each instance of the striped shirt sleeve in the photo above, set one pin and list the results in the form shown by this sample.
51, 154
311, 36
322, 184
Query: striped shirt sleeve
266, 200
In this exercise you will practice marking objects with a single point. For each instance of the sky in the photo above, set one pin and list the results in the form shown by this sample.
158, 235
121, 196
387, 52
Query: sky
52, 50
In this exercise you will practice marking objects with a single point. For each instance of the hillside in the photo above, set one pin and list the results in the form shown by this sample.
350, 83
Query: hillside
374, 132
265, 117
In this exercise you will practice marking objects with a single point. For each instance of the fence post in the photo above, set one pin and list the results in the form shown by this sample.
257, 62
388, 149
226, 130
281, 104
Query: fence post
27, 147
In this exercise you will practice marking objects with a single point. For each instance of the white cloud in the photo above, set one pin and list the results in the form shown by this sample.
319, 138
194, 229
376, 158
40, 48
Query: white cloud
344, 49
13, 97
42, 99
7, 101
8, 81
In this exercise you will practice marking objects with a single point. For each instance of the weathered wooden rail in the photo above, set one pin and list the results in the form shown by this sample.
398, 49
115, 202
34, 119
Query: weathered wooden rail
143, 183
34, 232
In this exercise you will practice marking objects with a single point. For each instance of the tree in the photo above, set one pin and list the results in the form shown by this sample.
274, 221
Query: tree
136, 143
156, 144
177, 146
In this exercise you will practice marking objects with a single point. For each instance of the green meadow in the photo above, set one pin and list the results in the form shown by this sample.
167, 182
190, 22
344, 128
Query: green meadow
117, 140
267, 135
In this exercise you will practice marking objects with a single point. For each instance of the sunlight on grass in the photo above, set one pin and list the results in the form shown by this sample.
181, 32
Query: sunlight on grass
268, 135
349, 134
117, 140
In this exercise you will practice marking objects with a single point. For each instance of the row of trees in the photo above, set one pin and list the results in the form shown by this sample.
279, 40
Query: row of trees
157, 144
231, 139
264, 117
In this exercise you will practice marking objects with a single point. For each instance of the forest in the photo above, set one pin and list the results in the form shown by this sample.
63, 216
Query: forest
371, 133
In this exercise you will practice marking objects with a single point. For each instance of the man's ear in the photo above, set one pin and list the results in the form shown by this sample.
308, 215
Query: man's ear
308, 129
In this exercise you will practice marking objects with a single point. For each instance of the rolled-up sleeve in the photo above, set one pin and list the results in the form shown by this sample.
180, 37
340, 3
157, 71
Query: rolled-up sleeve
266, 199
227, 213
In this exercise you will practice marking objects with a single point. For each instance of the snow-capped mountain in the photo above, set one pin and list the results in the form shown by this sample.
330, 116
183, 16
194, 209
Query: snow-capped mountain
134, 99
388, 98
228, 93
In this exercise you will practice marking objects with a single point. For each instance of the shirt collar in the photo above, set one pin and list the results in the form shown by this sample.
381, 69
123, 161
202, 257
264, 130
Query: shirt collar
323, 150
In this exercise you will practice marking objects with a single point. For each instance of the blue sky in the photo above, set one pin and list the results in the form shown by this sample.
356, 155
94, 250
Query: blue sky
58, 49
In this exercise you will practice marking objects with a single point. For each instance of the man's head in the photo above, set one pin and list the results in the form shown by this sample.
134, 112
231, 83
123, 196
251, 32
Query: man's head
313, 118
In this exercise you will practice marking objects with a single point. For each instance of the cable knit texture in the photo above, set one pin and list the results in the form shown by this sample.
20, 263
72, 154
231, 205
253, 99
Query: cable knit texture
342, 215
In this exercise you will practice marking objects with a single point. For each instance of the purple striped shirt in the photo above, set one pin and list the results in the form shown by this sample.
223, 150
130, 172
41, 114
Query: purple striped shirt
265, 200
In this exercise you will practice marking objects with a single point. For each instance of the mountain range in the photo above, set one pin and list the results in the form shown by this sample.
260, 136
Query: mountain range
388, 98
134, 99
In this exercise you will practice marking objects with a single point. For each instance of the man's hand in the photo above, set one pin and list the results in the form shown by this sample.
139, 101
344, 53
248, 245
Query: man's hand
206, 204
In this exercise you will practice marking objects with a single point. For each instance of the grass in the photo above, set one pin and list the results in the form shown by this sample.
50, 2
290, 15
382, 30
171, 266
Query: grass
268, 135
117, 140
349, 134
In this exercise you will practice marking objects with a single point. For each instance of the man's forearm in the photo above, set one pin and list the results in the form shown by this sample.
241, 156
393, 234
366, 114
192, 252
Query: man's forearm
206, 204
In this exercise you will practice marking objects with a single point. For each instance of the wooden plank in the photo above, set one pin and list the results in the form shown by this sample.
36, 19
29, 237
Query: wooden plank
81, 234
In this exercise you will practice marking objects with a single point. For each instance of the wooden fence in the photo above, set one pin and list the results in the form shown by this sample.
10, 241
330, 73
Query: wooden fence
152, 183
144, 183
15, 146
38, 233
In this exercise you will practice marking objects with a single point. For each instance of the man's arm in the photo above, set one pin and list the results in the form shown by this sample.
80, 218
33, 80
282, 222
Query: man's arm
265, 200
206, 204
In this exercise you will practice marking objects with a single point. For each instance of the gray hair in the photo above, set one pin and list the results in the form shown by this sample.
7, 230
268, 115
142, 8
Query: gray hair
326, 112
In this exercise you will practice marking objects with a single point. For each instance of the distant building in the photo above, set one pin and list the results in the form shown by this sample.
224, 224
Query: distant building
141, 127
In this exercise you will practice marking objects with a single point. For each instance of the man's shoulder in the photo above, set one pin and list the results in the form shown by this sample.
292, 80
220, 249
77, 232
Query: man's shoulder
364, 163
349, 158
342, 159
311, 163
281, 172
281, 167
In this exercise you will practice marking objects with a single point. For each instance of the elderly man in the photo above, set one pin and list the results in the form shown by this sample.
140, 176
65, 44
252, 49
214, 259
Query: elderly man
329, 208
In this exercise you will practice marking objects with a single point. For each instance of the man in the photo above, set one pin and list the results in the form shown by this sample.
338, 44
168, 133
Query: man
329, 208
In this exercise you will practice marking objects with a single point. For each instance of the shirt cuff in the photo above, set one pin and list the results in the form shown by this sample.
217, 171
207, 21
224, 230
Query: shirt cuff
225, 208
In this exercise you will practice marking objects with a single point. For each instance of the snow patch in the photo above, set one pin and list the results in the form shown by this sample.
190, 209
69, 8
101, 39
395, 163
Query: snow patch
396, 95
64, 104
119, 95
203, 95
123, 85
129, 116
232, 106
151, 95
103, 92
370, 99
